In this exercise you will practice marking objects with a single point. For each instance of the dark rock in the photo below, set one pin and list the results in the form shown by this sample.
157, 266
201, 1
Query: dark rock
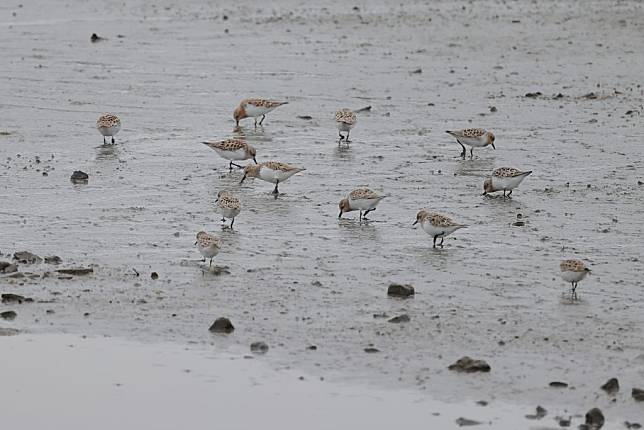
558, 384
518, 223
79, 177
78, 271
594, 419
534, 95
259, 347
222, 325
8, 315
6, 267
312, 348
482, 403
26, 257
306, 117
8, 331
564, 422
540, 413
611, 386
399, 290
638, 394
154, 275
400, 319
469, 365
15, 298
632, 425
53, 259
95, 38
558, 96
493, 109
371, 350
462, 422
417, 71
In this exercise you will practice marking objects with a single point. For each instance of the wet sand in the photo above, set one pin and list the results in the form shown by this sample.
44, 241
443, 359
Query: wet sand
298, 275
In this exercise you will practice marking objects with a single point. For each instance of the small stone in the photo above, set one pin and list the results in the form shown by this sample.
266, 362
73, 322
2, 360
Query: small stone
312, 348
26, 257
222, 325
540, 413
558, 384
469, 365
371, 350
399, 290
638, 394
259, 347
15, 298
611, 386
462, 422
417, 71
564, 422
533, 95
53, 259
632, 425
154, 275
493, 109
79, 271
8, 315
482, 403
79, 177
594, 419
400, 319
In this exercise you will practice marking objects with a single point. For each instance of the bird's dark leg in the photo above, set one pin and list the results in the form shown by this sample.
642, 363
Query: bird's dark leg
276, 191
463, 146
471, 153
231, 223
104, 142
435, 241
262, 120
223, 219
360, 216
113, 141
442, 239
364, 216
230, 167
210, 265
347, 138
341, 137
255, 122
504, 194
510, 193
574, 290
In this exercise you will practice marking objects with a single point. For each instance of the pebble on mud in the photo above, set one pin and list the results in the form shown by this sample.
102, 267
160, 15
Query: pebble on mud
371, 350
79, 177
400, 319
15, 298
6, 267
630, 425
558, 384
95, 38
154, 275
469, 365
53, 259
222, 325
26, 257
8, 315
259, 347
540, 413
638, 394
399, 290
463, 422
611, 386
594, 420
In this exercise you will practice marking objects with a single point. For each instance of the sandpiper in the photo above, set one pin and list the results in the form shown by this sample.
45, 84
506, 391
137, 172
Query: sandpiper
233, 149
436, 225
254, 108
345, 120
271, 171
208, 245
504, 179
474, 138
361, 199
108, 125
573, 271
228, 205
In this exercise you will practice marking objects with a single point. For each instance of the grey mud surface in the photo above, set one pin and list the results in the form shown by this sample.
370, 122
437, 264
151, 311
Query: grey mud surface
298, 275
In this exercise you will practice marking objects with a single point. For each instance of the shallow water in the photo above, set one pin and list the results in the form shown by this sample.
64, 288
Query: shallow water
299, 276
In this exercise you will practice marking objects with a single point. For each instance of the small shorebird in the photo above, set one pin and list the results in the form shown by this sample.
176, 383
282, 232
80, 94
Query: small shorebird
474, 138
271, 171
254, 108
361, 199
233, 149
573, 271
108, 125
436, 225
228, 205
208, 245
504, 179
345, 120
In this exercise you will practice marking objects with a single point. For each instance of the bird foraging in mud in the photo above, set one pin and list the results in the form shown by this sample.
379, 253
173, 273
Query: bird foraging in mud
573, 271
208, 245
345, 119
108, 125
254, 108
361, 199
474, 138
228, 206
271, 171
233, 150
504, 179
436, 225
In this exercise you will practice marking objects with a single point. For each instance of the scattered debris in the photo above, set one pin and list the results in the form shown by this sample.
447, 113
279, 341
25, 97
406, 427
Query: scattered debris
8, 315
6, 267
534, 95
399, 290
259, 347
222, 325
469, 365
611, 386
638, 394
364, 109
79, 177
416, 71
558, 384
462, 422
15, 298
26, 257
400, 319
632, 425
53, 259
79, 271
371, 350
306, 117
594, 419
96, 38
540, 413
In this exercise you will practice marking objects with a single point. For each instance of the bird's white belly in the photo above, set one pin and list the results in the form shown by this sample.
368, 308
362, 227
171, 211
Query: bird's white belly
476, 142
507, 183
270, 175
343, 126
255, 111
229, 212
363, 204
238, 154
208, 251
438, 231
569, 276
109, 131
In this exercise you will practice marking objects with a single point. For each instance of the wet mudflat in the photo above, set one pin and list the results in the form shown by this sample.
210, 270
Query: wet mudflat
298, 276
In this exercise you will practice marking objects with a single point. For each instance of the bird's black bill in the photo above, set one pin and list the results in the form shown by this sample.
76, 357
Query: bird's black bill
494, 147
415, 222
254, 160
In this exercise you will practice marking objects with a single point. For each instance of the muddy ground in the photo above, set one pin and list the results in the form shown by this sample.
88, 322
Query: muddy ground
299, 276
